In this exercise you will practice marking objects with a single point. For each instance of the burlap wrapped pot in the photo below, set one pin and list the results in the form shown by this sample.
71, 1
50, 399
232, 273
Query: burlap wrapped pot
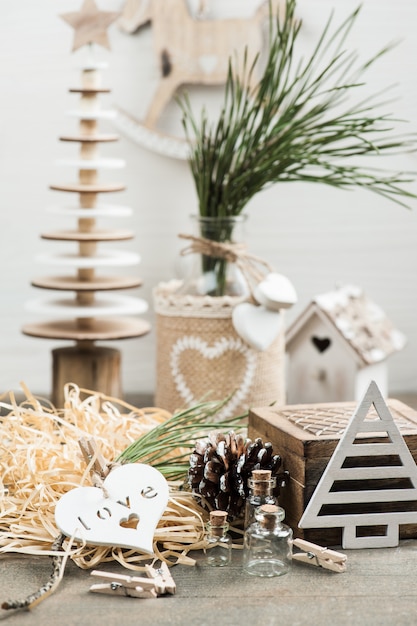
199, 353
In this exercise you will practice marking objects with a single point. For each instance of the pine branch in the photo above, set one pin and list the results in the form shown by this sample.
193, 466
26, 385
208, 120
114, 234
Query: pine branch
168, 445
299, 124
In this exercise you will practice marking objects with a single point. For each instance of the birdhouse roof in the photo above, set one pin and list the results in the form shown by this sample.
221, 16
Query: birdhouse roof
358, 320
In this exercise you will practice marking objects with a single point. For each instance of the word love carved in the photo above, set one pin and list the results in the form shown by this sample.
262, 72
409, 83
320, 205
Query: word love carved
124, 513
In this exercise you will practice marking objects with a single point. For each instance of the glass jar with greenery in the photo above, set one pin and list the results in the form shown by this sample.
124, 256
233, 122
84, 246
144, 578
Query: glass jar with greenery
307, 120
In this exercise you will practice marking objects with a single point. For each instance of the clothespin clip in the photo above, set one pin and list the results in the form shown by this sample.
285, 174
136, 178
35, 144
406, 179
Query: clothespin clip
319, 556
164, 583
90, 451
121, 585
158, 583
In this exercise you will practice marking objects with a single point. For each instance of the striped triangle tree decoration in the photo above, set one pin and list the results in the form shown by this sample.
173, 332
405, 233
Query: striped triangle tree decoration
369, 486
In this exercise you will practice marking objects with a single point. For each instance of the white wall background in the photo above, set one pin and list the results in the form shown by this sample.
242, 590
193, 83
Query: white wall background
315, 235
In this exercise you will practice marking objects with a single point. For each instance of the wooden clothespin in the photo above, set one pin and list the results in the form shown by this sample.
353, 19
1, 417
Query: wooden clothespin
90, 451
121, 585
164, 583
319, 556
158, 583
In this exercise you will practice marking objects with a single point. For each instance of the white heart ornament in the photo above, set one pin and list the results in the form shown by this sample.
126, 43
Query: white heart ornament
275, 292
134, 492
258, 326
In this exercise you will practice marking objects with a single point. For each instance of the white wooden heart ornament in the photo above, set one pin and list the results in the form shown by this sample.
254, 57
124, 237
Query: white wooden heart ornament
135, 493
258, 326
275, 292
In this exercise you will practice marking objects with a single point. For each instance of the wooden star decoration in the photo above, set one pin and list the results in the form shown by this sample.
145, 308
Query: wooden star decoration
90, 25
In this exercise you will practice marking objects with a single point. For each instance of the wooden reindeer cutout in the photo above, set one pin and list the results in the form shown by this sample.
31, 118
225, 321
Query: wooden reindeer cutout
192, 50
369, 486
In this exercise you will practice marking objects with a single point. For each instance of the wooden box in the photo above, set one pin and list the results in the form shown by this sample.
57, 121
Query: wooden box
306, 435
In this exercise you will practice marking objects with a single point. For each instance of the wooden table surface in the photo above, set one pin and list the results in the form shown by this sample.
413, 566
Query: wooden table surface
379, 588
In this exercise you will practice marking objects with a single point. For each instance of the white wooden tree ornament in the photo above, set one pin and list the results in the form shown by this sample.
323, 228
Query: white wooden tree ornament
95, 317
370, 481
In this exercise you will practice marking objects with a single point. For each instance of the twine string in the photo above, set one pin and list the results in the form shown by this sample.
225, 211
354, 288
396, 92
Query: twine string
253, 267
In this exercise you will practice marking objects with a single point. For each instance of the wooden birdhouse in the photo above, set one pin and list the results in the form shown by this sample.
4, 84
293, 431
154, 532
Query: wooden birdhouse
337, 345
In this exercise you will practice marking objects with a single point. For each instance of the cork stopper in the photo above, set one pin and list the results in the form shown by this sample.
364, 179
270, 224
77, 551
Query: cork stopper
217, 521
261, 474
269, 515
261, 482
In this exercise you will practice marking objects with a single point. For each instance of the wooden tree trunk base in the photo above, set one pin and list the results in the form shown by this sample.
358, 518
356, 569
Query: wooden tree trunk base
92, 367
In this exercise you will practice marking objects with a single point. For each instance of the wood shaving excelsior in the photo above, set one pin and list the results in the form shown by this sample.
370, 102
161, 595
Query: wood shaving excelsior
40, 460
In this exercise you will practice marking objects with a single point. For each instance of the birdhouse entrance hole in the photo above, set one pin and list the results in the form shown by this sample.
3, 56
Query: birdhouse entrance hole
321, 343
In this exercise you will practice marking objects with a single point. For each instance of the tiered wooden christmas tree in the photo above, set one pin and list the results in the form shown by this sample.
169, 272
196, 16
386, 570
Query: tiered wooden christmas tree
94, 315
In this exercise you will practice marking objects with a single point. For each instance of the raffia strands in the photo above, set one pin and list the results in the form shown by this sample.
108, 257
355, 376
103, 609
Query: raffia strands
40, 460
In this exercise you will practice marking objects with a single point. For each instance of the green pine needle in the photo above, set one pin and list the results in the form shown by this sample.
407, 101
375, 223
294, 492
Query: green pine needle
167, 446
306, 123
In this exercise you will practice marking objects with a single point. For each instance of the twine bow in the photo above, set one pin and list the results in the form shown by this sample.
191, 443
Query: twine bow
253, 268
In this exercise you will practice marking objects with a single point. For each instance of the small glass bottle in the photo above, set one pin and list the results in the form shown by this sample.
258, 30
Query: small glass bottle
261, 485
219, 543
267, 549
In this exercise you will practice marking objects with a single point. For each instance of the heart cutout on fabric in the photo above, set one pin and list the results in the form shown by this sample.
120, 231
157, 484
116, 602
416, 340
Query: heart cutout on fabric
203, 356
258, 326
275, 292
322, 344
123, 514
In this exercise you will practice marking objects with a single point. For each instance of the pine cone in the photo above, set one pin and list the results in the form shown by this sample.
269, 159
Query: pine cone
221, 465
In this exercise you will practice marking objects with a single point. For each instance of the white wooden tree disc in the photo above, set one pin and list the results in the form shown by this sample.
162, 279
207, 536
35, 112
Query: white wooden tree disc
108, 258
92, 164
110, 304
101, 210
102, 329
99, 114
92, 64
93, 138
89, 90
95, 235
89, 187
97, 283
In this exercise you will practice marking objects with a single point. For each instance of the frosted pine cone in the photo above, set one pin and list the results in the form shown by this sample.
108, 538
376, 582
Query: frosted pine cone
221, 465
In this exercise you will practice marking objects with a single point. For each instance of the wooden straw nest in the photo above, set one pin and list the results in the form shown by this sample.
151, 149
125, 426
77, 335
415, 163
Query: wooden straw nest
40, 460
